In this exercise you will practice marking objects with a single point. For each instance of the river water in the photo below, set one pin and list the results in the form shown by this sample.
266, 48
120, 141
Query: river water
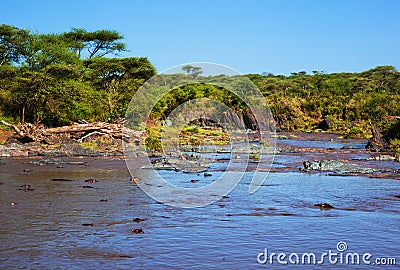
62, 224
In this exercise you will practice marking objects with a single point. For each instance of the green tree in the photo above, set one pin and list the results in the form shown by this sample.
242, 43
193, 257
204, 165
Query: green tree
192, 70
36, 79
94, 44
12, 41
119, 78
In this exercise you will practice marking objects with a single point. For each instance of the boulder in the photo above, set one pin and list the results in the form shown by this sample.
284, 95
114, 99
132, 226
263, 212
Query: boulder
377, 142
250, 120
335, 166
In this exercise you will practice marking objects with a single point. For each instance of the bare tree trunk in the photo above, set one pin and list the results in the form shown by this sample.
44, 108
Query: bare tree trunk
22, 115
110, 104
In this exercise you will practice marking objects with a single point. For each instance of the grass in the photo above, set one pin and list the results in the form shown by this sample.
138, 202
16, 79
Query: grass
92, 145
201, 136
100, 144
395, 145
189, 135
254, 155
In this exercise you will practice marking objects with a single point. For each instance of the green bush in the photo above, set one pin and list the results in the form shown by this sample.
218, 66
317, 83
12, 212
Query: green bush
355, 132
153, 143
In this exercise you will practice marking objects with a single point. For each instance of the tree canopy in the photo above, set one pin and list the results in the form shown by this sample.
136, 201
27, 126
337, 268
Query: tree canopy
94, 44
57, 78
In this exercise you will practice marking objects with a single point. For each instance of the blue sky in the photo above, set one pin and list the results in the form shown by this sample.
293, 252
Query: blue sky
250, 36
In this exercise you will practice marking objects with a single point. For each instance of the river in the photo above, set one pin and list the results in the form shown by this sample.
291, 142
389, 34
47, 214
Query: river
65, 224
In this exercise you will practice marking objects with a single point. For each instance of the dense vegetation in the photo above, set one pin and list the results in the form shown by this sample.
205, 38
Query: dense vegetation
350, 101
57, 78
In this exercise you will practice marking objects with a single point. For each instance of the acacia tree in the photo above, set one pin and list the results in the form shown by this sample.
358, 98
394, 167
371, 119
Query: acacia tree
94, 44
118, 78
12, 41
45, 62
191, 70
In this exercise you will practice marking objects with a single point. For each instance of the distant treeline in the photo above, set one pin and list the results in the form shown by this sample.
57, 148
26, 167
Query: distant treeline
348, 102
57, 78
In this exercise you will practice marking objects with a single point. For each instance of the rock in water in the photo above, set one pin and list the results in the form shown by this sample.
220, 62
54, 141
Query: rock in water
87, 187
377, 143
61, 180
335, 166
382, 158
349, 147
249, 119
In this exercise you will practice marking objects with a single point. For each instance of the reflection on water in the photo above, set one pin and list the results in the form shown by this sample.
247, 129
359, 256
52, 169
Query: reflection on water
44, 228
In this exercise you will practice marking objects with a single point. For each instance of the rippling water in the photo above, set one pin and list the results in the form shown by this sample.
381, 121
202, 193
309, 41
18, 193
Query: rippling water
45, 227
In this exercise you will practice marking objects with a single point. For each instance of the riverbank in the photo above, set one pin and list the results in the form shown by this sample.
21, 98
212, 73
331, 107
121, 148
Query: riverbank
327, 153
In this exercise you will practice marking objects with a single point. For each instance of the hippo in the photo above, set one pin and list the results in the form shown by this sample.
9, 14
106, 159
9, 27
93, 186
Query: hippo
25, 188
139, 219
324, 206
91, 180
137, 231
87, 187
135, 179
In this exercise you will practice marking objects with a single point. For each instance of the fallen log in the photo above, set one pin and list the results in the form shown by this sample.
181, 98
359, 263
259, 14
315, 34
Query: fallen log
30, 132
16, 129
90, 134
26, 132
72, 128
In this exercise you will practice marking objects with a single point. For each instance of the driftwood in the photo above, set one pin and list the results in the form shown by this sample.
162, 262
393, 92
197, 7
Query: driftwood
30, 132
16, 129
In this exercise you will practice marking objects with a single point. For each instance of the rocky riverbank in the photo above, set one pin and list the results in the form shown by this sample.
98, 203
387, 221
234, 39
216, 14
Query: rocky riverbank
64, 150
77, 139
310, 152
